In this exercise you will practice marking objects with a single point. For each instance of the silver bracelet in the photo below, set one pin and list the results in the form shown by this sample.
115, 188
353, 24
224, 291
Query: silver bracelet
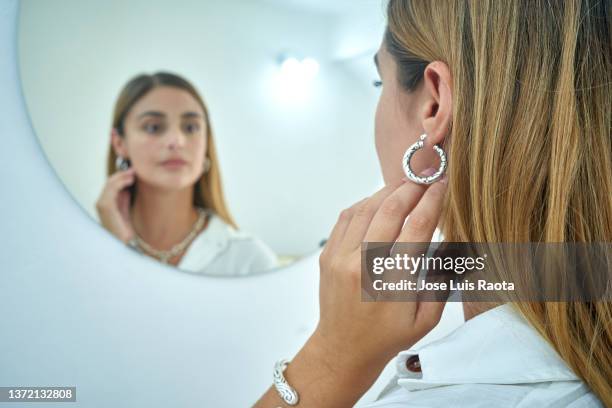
286, 392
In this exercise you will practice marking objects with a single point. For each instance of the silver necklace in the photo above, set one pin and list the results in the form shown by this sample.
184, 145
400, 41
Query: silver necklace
165, 256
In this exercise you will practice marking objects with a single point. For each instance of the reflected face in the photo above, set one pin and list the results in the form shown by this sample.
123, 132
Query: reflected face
398, 122
165, 138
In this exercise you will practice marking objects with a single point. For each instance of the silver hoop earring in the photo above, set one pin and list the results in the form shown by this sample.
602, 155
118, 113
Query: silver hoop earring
207, 165
408, 156
121, 163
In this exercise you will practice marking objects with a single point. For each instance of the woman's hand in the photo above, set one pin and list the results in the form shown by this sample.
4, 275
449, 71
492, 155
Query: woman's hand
354, 340
113, 205
375, 331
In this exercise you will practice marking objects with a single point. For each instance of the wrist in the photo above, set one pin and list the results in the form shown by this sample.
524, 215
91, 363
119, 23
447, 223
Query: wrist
346, 358
325, 374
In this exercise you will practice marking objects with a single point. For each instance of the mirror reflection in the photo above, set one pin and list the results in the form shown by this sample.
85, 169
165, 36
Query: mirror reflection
164, 196
222, 138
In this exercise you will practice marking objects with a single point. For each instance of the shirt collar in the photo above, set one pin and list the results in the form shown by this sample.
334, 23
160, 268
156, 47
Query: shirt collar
207, 245
495, 347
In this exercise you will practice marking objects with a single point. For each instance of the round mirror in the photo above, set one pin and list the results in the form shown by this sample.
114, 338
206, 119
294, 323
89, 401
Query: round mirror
222, 137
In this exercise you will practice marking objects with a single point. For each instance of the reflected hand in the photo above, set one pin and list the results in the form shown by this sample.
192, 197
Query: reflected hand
113, 205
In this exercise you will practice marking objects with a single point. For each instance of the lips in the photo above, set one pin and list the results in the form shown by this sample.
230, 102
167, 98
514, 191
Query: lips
174, 162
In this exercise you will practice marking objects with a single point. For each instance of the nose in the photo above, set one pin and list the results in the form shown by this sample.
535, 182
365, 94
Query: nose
176, 139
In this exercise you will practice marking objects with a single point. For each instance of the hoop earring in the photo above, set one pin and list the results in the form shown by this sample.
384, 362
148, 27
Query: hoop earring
408, 156
207, 165
121, 163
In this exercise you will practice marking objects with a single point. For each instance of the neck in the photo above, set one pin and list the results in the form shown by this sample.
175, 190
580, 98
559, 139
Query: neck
163, 218
470, 309
473, 309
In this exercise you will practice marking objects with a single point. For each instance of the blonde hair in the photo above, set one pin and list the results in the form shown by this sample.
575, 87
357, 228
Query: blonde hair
208, 190
530, 156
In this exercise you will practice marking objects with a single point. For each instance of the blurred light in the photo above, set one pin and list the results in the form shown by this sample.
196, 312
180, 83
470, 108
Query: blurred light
296, 77
291, 67
310, 67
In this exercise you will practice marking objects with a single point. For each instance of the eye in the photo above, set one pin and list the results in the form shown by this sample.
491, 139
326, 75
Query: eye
377, 83
152, 128
192, 127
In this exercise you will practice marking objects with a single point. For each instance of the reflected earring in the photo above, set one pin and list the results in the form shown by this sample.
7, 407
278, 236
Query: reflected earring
408, 156
207, 165
121, 163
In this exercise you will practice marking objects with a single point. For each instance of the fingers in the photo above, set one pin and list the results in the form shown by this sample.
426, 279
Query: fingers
390, 217
120, 180
423, 220
115, 183
339, 230
381, 217
362, 218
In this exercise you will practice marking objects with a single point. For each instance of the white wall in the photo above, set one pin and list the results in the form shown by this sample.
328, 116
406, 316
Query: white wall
288, 169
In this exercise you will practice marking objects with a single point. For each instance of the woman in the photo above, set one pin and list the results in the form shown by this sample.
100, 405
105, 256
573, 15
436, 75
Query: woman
163, 195
518, 95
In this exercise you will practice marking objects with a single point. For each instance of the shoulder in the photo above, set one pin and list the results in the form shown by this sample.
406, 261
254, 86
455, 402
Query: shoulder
496, 359
239, 251
234, 236
570, 394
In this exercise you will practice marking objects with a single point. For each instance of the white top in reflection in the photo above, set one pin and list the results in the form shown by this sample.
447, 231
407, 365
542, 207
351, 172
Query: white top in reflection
222, 250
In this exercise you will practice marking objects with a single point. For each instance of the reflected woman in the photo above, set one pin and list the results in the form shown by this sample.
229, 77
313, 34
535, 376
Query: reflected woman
163, 195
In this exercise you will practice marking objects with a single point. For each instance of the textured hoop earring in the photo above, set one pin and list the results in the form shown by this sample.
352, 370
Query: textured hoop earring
207, 165
408, 156
121, 163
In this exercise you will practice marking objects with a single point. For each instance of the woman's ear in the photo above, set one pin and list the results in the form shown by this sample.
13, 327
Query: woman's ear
438, 109
118, 143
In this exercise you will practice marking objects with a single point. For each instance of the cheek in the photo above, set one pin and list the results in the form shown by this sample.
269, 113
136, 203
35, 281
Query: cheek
388, 139
381, 128
143, 151
197, 151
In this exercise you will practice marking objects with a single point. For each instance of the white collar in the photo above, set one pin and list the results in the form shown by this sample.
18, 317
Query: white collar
495, 347
207, 245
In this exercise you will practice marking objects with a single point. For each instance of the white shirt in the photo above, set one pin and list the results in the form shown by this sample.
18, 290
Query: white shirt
495, 359
222, 250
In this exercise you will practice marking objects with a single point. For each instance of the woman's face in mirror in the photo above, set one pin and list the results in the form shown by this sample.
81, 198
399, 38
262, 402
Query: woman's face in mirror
165, 138
398, 122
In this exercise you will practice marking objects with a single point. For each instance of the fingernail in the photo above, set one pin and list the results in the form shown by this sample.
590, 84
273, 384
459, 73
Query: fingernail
428, 172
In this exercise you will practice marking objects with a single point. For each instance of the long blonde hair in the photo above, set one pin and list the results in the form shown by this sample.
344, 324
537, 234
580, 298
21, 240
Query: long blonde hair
530, 149
208, 190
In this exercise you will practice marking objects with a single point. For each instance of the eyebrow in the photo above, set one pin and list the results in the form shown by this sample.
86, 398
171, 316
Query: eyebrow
191, 115
151, 113
376, 61
161, 114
